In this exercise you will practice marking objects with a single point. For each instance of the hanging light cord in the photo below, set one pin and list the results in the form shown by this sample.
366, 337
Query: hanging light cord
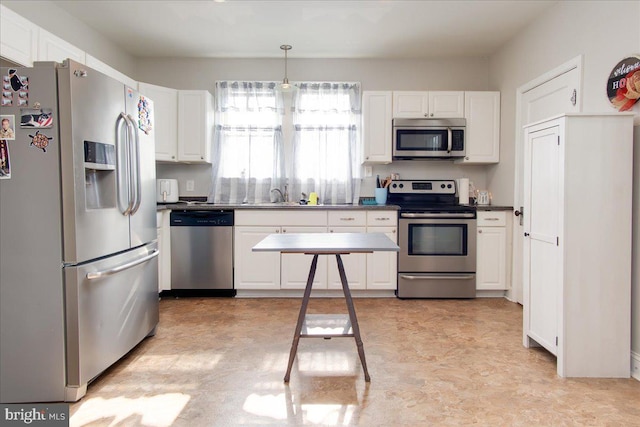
286, 48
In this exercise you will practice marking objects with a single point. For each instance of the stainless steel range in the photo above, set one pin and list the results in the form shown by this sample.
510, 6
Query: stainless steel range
437, 239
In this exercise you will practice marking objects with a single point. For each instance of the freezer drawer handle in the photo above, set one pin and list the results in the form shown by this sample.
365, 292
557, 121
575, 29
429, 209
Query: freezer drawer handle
99, 274
436, 277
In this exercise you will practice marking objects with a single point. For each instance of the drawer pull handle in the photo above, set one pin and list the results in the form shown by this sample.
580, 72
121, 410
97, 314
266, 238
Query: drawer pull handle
492, 219
382, 219
347, 219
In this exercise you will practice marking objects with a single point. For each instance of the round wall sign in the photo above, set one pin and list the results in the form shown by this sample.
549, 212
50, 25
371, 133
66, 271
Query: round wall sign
623, 86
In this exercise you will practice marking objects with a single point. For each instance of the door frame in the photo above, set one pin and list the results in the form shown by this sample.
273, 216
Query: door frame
515, 292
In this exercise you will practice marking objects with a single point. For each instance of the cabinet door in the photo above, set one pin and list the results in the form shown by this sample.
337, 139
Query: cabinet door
491, 266
542, 261
195, 127
376, 127
106, 69
382, 267
295, 267
18, 38
255, 270
446, 104
165, 102
410, 105
355, 265
52, 48
482, 138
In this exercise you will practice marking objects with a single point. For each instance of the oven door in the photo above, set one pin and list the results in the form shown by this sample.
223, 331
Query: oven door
437, 243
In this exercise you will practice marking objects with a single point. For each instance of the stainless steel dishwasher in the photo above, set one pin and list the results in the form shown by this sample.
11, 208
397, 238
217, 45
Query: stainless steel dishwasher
202, 252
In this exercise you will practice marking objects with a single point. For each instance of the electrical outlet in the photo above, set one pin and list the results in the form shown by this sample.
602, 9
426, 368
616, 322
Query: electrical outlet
368, 171
191, 185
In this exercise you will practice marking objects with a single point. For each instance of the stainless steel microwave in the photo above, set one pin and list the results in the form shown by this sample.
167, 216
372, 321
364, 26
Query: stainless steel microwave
428, 139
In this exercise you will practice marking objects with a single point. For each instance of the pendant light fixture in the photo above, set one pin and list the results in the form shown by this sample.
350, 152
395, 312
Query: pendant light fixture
285, 86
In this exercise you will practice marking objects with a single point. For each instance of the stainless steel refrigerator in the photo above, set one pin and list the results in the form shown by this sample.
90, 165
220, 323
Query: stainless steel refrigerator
78, 242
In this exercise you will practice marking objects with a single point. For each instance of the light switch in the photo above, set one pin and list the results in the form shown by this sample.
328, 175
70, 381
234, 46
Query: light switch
368, 171
191, 185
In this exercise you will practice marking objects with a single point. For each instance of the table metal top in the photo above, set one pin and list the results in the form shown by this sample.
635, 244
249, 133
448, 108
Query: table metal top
326, 243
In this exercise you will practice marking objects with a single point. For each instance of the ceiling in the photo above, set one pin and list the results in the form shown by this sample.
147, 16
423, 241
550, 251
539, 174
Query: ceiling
315, 29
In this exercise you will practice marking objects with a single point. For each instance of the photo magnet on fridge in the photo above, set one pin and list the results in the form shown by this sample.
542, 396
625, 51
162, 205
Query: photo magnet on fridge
8, 126
144, 115
40, 141
5, 164
34, 118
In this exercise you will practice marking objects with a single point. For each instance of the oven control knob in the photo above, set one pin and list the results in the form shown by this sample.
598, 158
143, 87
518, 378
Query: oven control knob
395, 186
442, 185
448, 185
401, 185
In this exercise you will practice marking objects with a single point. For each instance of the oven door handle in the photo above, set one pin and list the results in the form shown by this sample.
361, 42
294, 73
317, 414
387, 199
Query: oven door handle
449, 140
439, 277
437, 215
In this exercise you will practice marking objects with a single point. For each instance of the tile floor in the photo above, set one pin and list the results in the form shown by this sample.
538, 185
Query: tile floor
221, 362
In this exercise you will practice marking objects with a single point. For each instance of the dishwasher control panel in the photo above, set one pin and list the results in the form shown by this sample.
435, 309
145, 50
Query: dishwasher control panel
207, 218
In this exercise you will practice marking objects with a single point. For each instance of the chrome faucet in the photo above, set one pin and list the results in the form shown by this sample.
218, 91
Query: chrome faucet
283, 196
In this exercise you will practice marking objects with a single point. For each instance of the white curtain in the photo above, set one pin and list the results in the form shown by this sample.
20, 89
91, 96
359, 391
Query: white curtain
248, 149
325, 144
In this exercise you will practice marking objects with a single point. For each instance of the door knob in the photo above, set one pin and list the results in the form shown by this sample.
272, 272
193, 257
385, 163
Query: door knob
526, 234
517, 213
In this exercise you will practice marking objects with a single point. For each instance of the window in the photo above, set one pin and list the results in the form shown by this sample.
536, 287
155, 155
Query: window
248, 142
248, 160
326, 132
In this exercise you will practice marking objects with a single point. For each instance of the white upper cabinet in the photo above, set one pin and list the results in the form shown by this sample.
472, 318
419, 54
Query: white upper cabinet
482, 138
410, 104
18, 38
423, 104
98, 65
195, 126
165, 102
446, 104
53, 48
376, 127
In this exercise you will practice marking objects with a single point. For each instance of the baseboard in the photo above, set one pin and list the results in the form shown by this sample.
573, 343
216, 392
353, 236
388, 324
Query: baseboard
635, 365
319, 293
485, 293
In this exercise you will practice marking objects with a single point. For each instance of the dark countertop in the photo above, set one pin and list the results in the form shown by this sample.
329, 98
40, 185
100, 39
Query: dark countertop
270, 206
494, 208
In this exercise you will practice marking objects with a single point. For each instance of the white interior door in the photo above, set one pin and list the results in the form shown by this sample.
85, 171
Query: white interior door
546, 96
542, 256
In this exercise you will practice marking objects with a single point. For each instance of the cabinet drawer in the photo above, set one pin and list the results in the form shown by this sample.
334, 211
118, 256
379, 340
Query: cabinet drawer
492, 219
382, 218
295, 217
348, 218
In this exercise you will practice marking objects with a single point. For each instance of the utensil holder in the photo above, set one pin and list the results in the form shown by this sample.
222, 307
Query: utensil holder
381, 196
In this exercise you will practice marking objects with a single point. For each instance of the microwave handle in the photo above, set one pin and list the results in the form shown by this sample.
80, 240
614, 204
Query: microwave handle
449, 140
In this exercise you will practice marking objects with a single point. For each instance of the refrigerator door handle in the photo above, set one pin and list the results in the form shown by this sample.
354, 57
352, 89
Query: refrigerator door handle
118, 269
130, 163
122, 151
136, 164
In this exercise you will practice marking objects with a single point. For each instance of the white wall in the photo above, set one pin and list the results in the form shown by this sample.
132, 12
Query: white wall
47, 15
604, 32
373, 74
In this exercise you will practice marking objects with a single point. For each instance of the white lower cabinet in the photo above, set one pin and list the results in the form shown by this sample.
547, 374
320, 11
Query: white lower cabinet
492, 264
382, 267
295, 267
164, 246
355, 265
259, 271
255, 270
